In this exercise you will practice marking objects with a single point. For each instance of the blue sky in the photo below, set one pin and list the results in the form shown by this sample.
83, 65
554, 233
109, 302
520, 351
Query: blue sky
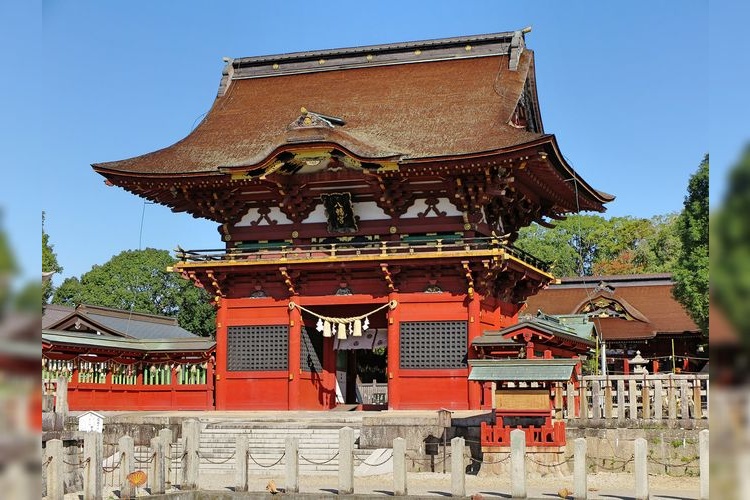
623, 85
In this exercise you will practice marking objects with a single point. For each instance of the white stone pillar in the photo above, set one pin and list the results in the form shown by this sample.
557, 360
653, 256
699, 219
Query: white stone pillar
641, 469
291, 464
518, 464
346, 461
191, 461
399, 467
55, 470
580, 478
157, 468
93, 451
458, 475
126, 448
704, 463
240, 461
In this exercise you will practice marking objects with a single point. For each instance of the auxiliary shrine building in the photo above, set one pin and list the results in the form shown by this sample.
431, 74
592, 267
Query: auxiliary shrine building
367, 199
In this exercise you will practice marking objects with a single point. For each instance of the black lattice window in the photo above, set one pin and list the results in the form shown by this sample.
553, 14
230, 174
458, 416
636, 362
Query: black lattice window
311, 353
257, 348
433, 344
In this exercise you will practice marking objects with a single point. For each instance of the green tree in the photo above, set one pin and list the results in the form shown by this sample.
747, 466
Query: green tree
730, 249
691, 270
49, 262
572, 246
138, 280
8, 268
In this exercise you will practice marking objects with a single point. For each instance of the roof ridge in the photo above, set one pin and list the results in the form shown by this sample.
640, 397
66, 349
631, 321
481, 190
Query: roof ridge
510, 43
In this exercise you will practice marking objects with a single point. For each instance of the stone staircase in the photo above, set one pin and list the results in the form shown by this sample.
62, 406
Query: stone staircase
318, 444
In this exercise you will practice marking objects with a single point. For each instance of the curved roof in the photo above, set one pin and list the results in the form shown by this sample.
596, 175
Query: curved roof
403, 103
429, 109
415, 99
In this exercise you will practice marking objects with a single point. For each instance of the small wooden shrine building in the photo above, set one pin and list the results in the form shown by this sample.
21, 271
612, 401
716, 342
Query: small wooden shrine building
633, 313
524, 369
363, 195
120, 360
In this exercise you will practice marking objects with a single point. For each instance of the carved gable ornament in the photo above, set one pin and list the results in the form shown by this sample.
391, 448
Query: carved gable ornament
604, 305
310, 119
339, 212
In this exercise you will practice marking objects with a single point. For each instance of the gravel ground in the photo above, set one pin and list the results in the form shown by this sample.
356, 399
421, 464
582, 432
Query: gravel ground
601, 486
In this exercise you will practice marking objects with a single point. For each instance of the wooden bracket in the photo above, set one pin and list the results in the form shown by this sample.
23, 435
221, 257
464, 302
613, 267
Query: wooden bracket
469, 278
388, 277
288, 280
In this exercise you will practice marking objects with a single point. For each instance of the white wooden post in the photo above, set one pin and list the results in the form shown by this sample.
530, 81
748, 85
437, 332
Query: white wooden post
658, 399
633, 399
620, 399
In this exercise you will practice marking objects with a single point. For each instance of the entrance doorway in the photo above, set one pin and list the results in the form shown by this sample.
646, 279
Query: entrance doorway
357, 365
361, 373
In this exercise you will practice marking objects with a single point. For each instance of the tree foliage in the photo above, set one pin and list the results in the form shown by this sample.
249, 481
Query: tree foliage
584, 245
730, 249
691, 271
138, 280
49, 263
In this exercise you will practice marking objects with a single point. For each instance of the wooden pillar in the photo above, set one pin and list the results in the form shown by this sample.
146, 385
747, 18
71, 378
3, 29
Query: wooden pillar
475, 387
295, 340
529, 350
394, 355
221, 355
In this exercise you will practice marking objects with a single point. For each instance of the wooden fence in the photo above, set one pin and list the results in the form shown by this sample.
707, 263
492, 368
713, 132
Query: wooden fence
648, 397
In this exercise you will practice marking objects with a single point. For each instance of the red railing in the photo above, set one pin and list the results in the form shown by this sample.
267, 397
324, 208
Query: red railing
549, 434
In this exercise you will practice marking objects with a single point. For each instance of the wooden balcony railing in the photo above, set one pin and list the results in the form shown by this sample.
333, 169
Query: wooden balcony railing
436, 246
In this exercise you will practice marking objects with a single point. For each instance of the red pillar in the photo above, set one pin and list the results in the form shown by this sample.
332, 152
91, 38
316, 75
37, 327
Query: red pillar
221, 355
626, 366
475, 387
295, 335
394, 391
529, 350
328, 388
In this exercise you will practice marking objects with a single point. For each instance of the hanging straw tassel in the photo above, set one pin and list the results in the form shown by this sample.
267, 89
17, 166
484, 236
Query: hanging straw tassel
327, 329
357, 328
342, 331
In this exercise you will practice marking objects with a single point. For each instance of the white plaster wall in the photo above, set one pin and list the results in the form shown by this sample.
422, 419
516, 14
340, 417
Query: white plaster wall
252, 215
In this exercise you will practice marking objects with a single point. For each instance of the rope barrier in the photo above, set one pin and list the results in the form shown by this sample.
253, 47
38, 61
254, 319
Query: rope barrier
267, 466
549, 465
114, 467
319, 463
80, 464
147, 461
667, 464
616, 459
364, 462
489, 463
204, 457
428, 460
